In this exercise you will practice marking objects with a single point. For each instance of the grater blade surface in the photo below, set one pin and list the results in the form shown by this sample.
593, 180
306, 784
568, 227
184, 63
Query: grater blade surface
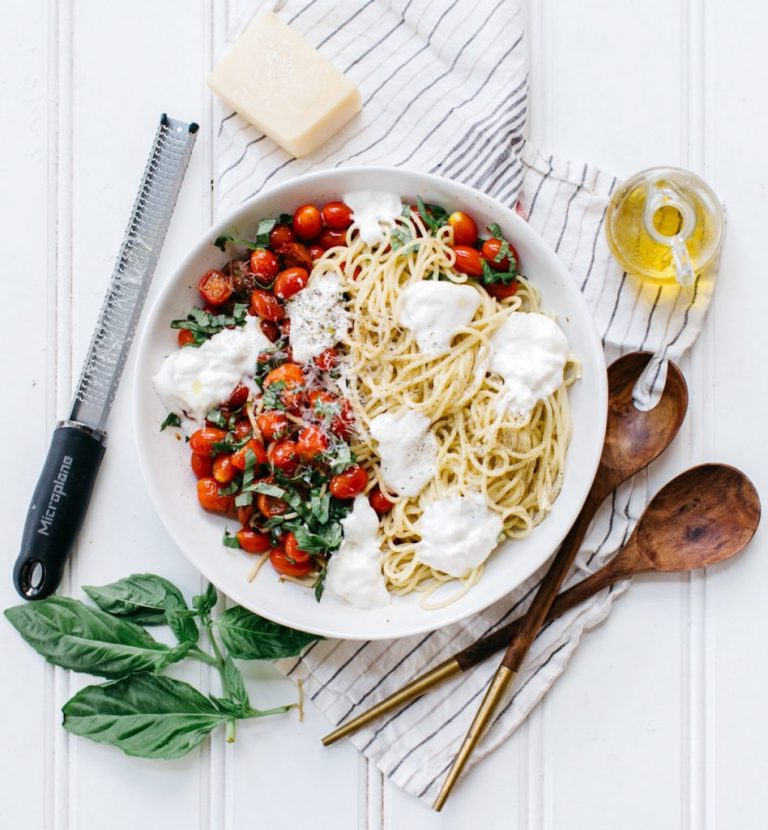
136, 261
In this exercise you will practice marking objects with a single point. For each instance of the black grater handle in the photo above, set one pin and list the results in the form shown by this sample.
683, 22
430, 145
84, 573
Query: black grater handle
58, 508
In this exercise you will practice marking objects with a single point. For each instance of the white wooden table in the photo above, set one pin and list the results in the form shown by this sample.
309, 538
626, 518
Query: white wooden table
660, 721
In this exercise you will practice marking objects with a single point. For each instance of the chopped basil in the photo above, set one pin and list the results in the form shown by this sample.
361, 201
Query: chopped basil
329, 538
433, 216
400, 238
490, 276
272, 395
504, 250
320, 583
203, 325
263, 230
339, 458
244, 499
230, 540
217, 417
171, 420
230, 489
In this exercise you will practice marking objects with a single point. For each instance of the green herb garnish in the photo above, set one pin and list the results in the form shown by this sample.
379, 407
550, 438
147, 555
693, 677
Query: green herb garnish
171, 420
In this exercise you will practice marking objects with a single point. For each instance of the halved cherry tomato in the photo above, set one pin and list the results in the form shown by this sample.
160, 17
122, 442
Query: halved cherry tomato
270, 505
468, 261
202, 465
251, 541
209, 498
337, 215
501, 291
491, 249
256, 447
282, 455
343, 424
224, 470
281, 235
282, 565
264, 265
272, 425
312, 442
315, 251
292, 549
202, 441
243, 429
185, 337
288, 373
270, 330
327, 360
238, 397
379, 502
350, 483
307, 222
266, 306
290, 282
215, 287
330, 238
464, 228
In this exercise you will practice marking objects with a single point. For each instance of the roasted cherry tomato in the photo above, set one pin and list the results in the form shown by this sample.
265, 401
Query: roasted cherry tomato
307, 222
270, 506
288, 373
282, 455
379, 502
343, 424
209, 498
468, 261
319, 399
264, 265
501, 291
244, 514
202, 465
283, 565
315, 251
330, 238
290, 282
270, 330
224, 471
313, 441
293, 551
491, 249
202, 441
350, 483
266, 306
281, 235
238, 397
337, 215
295, 255
215, 287
272, 425
185, 337
256, 447
243, 429
251, 541
285, 329
464, 228
327, 360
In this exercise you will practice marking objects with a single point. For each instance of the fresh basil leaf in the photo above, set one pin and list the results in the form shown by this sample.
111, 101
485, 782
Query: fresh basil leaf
73, 635
263, 230
171, 420
490, 276
242, 500
234, 684
339, 458
217, 417
181, 623
229, 540
144, 715
250, 637
273, 396
230, 489
140, 597
320, 505
400, 238
327, 539
433, 216
320, 583
268, 489
205, 603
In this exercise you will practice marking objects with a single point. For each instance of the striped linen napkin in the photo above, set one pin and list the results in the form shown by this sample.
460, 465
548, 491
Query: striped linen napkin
444, 87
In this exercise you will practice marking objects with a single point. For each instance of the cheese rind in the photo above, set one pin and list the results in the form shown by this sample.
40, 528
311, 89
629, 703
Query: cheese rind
277, 81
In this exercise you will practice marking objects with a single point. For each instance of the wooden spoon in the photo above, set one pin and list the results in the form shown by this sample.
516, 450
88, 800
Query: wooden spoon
633, 439
701, 518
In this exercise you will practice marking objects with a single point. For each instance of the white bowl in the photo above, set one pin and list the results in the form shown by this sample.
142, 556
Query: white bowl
165, 461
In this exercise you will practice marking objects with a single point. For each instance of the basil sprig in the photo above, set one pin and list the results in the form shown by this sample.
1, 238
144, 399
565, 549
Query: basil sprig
203, 324
141, 711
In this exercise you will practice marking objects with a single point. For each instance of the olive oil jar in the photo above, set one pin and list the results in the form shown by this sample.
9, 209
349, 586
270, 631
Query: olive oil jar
664, 224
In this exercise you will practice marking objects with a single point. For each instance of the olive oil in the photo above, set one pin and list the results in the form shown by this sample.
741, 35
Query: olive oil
664, 224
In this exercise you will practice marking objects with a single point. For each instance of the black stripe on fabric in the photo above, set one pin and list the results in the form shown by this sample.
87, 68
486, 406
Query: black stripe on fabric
302, 10
338, 671
223, 122
382, 39
298, 662
429, 86
342, 25
694, 295
608, 532
499, 716
615, 306
464, 102
594, 249
504, 189
538, 189
650, 318
242, 156
493, 161
568, 208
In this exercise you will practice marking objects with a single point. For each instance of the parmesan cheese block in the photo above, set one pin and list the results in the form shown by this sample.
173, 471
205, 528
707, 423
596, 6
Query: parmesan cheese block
277, 81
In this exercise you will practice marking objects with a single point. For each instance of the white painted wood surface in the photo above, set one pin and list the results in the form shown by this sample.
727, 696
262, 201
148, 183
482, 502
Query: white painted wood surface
660, 721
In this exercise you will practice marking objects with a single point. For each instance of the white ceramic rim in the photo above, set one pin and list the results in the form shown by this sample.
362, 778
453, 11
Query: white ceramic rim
577, 482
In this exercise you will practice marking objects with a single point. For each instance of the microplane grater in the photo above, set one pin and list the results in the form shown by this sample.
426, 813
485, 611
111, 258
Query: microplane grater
63, 491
